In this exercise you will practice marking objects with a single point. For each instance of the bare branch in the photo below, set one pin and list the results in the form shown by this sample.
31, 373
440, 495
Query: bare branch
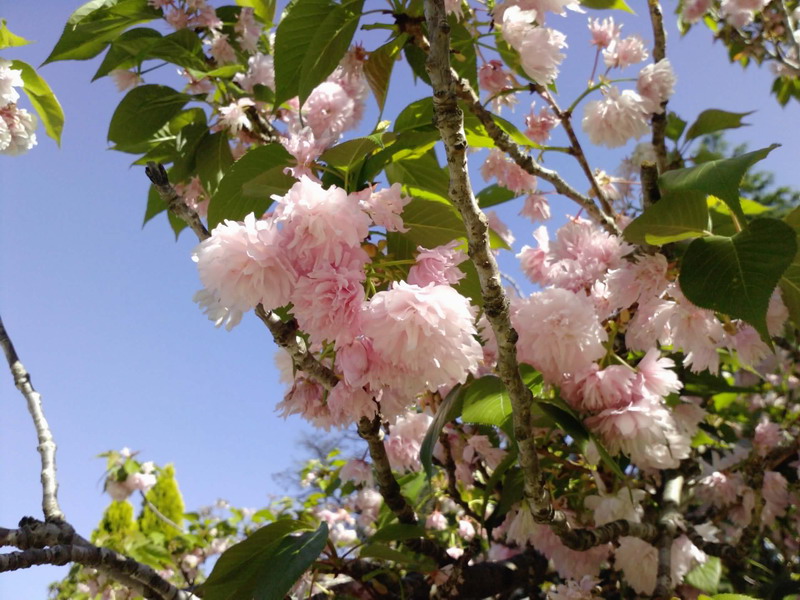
47, 446
148, 582
158, 175
659, 121
668, 526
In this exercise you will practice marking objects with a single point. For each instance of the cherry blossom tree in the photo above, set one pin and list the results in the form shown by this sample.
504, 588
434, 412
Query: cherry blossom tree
627, 429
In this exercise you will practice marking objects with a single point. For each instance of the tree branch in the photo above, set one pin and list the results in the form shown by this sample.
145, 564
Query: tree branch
370, 431
449, 121
285, 334
47, 446
668, 526
150, 583
659, 121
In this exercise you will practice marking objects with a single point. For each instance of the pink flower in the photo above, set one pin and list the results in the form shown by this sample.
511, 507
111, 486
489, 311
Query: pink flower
684, 556
604, 32
436, 521
221, 50
319, 225
17, 128
426, 335
638, 561
720, 489
125, 79
616, 119
625, 504
538, 6
693, 10
538, 47
140, 481
244, 264
595, 389
539, 126
194, 195
740, 13
217, 312
646, 431
117, 490
493, 78
632, 282
536, 208
776, 497
481, 446
655, 375
439, 265
697, 332
508, 173
656, 84
622, 53
453, 7
248, 29
260, 71
9, 78
357, 471
234, 116
558, 332
305, 398
777, 314
405, 440
767, 437
749, 346
327, 301
178, 18
386, 206
329, 110
466, 530
347, 404
574, 590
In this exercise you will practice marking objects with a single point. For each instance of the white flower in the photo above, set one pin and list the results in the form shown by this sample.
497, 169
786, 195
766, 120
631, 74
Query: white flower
618, 118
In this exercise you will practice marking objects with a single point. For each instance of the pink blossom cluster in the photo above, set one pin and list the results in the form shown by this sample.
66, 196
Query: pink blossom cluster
623, 115
539, 47
498, 82
122, 481
334, 106
17, 125
507, 173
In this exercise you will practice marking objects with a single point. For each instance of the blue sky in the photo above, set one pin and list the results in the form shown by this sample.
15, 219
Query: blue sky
101, 313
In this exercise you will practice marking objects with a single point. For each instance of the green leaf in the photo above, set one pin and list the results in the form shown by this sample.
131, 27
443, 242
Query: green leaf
449, 410
184, 49
248, 184
790, 281
263, 9
90, 28
155, 205
293, 38
8, 39
494, 194
331, 40
675, 127
676, 216
486, 402
379, 66
266, 564
125, 49
720, 178
713, 119
352, 152
705, 577
142, 112
462, 51
737, 275
607, 4
397, 532
213, 158
421, 176
43, 99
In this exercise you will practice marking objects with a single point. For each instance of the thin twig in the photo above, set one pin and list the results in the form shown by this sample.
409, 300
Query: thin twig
47, 446
575, 147
158, 176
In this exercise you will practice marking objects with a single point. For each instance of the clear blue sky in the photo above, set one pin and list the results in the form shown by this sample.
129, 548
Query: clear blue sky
101, 313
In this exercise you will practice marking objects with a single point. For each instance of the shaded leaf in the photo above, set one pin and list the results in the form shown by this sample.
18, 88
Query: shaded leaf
43, 99
379, 66
462, 52
248, 184
266, 564
790, 281
737, 275
397, 532
675, 127
449, 410
705, 577
713, 119
125, 50
331, 40
720, 178
486, 402
92, 26
676, 216
213, 157
494, 194
293, 38
142, 112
